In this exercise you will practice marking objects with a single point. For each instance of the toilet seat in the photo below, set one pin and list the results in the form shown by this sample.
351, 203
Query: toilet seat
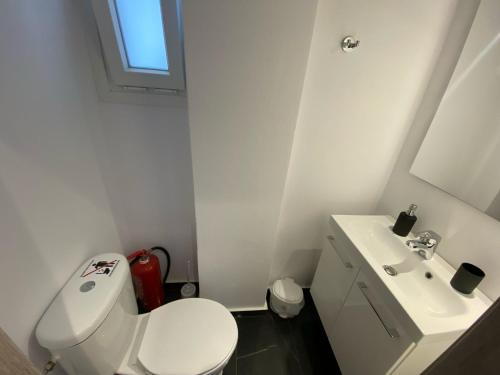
188, 337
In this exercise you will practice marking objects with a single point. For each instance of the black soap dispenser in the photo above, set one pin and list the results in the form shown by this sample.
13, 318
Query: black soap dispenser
405, 221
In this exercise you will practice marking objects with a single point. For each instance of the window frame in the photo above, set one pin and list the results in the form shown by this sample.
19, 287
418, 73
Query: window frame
115, 57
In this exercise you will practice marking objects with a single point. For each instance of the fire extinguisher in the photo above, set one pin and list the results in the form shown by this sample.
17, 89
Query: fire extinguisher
146, 276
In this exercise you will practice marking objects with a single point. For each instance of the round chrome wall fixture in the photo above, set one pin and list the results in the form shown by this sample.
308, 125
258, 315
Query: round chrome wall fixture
349, 43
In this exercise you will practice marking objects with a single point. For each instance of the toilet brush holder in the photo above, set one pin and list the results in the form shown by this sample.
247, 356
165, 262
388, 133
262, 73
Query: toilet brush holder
188, 290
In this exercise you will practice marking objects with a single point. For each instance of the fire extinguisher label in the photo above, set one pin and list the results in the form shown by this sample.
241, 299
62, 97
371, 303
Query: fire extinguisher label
101, 267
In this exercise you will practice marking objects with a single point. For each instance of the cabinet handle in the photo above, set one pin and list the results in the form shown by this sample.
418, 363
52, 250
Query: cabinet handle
347, 264
392, 332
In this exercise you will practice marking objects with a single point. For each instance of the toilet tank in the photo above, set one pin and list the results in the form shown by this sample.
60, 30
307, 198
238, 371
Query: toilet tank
90, 323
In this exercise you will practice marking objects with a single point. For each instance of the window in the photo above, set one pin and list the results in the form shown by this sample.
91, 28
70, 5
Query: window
141, 42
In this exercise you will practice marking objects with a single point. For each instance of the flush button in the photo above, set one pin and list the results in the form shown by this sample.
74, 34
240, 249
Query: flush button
85, 287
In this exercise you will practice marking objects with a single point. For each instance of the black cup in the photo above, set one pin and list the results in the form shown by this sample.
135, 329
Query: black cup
467, 278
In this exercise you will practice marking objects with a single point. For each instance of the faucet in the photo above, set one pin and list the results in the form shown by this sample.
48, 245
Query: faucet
425, 243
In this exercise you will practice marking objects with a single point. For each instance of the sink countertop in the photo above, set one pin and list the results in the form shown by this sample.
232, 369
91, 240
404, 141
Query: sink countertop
437, 308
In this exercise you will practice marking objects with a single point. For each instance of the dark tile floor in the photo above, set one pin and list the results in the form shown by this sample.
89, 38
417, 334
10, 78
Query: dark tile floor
270, 345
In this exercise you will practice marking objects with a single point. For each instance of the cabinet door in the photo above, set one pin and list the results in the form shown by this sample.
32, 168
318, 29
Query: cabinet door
367, 337
332, 281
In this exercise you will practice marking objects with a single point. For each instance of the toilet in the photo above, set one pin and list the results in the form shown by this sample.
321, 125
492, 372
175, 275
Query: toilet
93, 327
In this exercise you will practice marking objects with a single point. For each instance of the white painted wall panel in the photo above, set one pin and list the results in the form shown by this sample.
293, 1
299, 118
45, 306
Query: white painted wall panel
54, 208
354, 114
245, 67
145, 157
77, 177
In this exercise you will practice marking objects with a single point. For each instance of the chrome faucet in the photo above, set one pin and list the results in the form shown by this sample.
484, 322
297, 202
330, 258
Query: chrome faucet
425, 243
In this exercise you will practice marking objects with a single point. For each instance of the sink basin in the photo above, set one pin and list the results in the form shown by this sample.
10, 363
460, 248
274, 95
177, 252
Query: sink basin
416, 279
388, 248
432, 291
422, 287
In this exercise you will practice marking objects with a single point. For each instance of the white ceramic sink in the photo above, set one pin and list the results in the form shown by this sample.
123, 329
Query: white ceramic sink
422, 287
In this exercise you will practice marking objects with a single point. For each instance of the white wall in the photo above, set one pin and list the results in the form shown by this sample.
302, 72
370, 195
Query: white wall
245, 67
77, 177
468, 234
355, 111
145, 157
146, 160
55, 211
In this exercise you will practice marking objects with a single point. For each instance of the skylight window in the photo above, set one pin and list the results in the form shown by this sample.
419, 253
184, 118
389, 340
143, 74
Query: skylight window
142, 33
142, 43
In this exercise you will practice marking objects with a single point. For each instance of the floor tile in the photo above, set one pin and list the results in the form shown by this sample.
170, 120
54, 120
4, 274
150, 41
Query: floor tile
284, 328
268, 344
256, 332
230, 368
271, 361
310, 342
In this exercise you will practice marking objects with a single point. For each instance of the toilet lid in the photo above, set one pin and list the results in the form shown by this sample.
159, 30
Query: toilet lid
188, 337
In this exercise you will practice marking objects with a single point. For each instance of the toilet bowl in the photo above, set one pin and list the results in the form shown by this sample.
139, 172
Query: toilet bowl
92, 327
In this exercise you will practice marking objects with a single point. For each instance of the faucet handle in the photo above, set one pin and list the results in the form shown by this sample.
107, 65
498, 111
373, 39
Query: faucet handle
429, 238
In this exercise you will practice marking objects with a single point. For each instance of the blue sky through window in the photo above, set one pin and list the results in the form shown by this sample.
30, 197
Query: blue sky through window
141, 27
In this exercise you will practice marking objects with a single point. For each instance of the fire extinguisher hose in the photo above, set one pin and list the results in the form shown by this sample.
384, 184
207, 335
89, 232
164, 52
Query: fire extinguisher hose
167, 256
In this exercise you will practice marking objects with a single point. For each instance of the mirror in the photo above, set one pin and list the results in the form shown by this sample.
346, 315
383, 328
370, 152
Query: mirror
461, 151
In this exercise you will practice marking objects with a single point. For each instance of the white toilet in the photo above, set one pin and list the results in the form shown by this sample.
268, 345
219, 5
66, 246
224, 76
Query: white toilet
92, 328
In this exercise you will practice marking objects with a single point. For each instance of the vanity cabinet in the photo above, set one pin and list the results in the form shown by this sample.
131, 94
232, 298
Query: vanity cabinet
334, 277
380, 324
367, 337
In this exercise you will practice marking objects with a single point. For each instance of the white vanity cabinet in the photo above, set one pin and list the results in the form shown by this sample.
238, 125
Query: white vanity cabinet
380, 324
368, 339
333, 279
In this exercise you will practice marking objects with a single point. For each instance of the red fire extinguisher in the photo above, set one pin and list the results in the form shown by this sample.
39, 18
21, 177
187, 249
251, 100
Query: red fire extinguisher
146, 276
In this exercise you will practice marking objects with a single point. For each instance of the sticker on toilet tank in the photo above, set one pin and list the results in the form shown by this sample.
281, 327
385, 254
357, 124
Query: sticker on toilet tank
100, 267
